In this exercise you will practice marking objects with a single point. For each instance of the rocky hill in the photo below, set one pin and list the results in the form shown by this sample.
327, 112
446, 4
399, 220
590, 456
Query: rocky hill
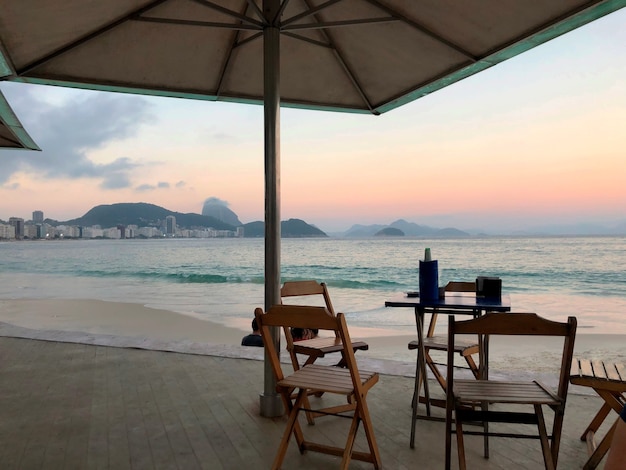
292, 228
142, 215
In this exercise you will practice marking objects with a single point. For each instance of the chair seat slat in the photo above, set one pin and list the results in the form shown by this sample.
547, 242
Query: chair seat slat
598, 369
323, 346
508, 392
440, 343
585, 368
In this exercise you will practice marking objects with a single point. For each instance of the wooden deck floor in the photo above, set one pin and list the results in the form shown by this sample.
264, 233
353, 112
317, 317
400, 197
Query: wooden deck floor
73, 406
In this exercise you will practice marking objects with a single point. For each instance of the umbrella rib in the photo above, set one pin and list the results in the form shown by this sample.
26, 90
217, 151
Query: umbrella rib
248, 39
199, 23
305, 39
234, 44
226, 11
256, 9
309, 12
62, 50
338, 24
279, 13
351, 76
422, 29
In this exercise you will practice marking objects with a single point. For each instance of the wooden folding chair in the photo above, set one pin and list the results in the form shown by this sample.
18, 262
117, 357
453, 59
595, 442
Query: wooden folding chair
608, 380
347, 381
311, 292
462, 395
466, 348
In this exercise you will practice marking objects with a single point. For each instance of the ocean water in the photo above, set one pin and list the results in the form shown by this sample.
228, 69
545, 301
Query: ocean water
222, 279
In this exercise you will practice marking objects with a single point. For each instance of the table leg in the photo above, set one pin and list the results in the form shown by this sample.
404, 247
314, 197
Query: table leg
422, 361
420, 374
483, 372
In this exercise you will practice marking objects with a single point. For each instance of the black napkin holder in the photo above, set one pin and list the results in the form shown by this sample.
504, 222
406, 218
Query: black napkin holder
489, 287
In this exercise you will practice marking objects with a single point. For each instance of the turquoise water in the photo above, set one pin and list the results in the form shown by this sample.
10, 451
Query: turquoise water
222, 279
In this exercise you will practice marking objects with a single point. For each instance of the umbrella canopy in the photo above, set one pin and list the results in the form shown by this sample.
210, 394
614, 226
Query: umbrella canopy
366, 56
12, 134
353, 55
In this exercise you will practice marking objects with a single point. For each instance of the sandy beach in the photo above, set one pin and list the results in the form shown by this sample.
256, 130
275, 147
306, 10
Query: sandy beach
134, 325
123, 324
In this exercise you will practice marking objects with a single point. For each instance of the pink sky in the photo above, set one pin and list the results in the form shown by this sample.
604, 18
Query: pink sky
538, 139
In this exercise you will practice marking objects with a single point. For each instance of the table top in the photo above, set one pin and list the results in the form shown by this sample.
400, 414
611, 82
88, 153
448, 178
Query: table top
454, 301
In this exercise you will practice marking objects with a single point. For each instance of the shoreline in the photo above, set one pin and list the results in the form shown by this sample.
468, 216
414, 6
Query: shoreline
122, 324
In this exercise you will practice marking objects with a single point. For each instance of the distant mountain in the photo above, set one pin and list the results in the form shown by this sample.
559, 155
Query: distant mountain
389, 232
359, 230
213, 207
292, 228
143, 215
412, 229
409, 229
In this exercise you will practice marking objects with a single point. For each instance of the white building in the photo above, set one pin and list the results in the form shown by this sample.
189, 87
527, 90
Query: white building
7, 232
149, 232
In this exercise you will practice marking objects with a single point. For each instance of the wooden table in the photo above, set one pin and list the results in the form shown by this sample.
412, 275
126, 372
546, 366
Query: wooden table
461, 303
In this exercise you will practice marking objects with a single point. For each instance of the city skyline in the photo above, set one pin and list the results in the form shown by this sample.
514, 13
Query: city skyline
613, 228
535, 140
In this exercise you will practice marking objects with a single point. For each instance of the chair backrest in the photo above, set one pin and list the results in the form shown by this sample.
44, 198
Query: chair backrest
460, 286
306, 289
452, 286
520, 324
310, 292
304, 316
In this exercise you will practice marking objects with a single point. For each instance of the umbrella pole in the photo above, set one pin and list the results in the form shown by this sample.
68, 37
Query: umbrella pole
271, 404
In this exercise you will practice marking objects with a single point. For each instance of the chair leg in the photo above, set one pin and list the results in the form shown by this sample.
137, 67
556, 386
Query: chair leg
460, 444
415, 403
364, 414
347, 452
557, 429
596, 421
448, 435
485, 407
291, 427
307, 406
543, 437
473, 366
433, 367
604, 446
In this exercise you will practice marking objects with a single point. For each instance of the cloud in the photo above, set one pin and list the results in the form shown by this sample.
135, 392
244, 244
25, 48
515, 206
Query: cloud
153, 187
215, 200
68, 129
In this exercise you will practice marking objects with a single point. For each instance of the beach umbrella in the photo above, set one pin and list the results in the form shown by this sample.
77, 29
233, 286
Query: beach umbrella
12, 134
363, 56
